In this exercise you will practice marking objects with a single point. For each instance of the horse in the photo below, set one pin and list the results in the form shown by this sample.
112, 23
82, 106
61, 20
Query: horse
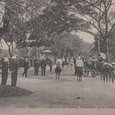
107, 72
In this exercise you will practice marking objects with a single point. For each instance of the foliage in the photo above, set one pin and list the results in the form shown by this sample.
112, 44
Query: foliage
54, 18
66, 43
40, 19
99, 14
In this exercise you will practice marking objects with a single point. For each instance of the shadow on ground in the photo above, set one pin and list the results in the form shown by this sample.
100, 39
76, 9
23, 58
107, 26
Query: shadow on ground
8, 91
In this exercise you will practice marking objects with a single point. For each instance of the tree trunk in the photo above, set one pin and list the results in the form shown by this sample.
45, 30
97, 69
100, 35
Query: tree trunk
98, 45
106, 32
9, 50
26, 51
107, 51
36, 52
12, 48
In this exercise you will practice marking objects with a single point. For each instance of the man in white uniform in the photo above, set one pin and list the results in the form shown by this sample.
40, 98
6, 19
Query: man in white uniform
79, 68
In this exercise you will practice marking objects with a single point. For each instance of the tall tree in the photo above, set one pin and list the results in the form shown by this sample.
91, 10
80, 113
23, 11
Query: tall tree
54, 18
66, 43
13, 10
99, 14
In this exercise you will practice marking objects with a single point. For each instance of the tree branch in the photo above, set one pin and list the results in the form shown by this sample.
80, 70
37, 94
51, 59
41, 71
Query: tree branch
93, 4
110, 31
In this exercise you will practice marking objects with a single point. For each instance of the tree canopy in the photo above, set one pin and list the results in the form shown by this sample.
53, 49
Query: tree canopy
99, 14
31, 23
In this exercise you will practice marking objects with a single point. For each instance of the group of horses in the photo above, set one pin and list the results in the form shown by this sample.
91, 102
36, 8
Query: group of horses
100, 68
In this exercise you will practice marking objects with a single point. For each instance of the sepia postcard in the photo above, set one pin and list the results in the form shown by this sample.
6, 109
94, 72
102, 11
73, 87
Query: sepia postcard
57, 57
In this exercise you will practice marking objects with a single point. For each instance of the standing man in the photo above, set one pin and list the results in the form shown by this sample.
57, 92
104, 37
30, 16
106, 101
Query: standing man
43, 67
14, 71
79, 68
36, 66
49, 62
94, 67
59, 60
31, 62
100, 63
71, 63
74, 62
106, 71
51, 65
4, 71
58, 70
26, 67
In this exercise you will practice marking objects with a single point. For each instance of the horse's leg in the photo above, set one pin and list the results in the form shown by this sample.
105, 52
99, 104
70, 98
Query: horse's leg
101, 75
59, 75
104, 78
56, 76
78, 78
112, 77
81, 78
107, 76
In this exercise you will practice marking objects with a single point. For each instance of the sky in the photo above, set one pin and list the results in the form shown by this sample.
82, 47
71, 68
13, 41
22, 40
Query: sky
86, 37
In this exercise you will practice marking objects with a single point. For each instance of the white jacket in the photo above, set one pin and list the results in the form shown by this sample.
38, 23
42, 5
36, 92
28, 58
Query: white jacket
59, 61
79, 63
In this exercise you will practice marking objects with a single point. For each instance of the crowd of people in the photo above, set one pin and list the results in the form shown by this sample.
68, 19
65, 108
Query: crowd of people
13, 64
94, 66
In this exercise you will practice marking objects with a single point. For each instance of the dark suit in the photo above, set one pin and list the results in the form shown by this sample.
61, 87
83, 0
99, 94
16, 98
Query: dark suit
26, 67
43, 67
4, 73
14, 71
36, 67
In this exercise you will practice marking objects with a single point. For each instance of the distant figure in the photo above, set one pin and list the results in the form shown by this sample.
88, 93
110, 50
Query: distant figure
107, 72
58, 70
63, 63
71, 63
100, 63
113, 72
74, 62
59, 60
21, 62
93, 67
4, 71
43, 67
66, 62
26, 67
14, 71
36, 66
79, 68
49, 63
31, 62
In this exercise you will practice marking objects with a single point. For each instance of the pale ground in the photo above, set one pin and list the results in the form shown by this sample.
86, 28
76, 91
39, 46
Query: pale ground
66, 96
